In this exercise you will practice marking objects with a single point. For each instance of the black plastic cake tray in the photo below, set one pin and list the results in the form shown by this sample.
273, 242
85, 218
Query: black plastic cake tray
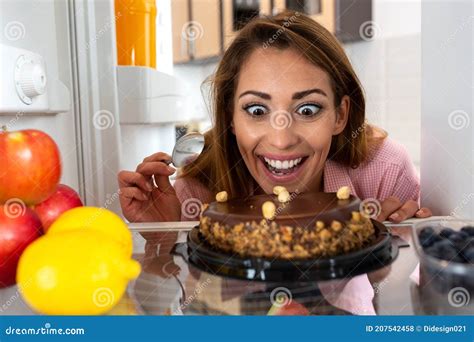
380, 253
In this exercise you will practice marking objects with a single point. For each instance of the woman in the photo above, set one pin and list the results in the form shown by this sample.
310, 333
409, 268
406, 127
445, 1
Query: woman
288, 110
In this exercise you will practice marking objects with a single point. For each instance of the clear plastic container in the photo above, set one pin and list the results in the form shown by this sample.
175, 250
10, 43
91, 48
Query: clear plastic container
445, 287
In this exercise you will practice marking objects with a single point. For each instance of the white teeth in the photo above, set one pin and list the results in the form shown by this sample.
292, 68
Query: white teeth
283, 165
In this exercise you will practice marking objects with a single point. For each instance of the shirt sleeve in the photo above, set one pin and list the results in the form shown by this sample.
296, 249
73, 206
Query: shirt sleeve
400, 179
192, 195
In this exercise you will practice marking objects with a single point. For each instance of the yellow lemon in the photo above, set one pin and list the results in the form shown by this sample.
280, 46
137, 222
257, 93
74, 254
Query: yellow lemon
97, 219
74, 273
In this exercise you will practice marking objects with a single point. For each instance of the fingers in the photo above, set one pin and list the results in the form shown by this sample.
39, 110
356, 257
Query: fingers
129, 178
133, 193
423, 213
155, 168
161, 173
159, 156
406, 211
395, 211
389, 205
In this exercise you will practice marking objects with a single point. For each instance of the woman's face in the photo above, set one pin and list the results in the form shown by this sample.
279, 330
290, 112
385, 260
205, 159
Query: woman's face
284, 118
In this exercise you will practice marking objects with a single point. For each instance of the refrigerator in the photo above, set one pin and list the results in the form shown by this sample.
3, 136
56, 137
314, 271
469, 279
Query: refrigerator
107, 117
59, 74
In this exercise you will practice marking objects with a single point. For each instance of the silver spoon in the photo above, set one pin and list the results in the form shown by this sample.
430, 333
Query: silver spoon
186, 150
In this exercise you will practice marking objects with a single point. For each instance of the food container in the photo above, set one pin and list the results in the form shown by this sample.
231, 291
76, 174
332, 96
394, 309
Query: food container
445, 287
136, 32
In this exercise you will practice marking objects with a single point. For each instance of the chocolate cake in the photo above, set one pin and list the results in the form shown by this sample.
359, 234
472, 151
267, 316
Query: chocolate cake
307, 225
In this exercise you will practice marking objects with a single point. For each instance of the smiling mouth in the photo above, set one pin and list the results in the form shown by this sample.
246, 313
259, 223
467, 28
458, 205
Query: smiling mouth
282, 167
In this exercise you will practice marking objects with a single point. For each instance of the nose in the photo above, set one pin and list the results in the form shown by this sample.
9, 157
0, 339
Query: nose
282, 133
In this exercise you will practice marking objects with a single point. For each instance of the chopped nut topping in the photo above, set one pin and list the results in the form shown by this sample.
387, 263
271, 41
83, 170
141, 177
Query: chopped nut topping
343, 193
221, 196
319, 225
298, 248
204, 206
356, 216
264, 238
354, 227
336, 226
268, 210
325, 234
277, 189
284, 196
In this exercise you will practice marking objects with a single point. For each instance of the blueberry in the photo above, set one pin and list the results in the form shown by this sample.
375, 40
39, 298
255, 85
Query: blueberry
426, 241
444, 245
458, 236
427, 230
436, 238
469, 254
446, 250
452, 256
433, 251
461, 245
446, 232
427, 237
469, 230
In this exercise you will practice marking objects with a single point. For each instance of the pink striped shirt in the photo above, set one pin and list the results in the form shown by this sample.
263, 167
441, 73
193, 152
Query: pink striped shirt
387, 172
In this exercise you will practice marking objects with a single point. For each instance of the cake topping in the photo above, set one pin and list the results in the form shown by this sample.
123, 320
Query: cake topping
277, 189
343, 193
268, 210
222, 196
325, 234
304, 209
309, 225
319, 225
356, 216
284, 196
336, 226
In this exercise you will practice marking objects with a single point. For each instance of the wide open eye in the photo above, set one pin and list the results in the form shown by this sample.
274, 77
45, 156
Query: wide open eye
256, 110
308, 109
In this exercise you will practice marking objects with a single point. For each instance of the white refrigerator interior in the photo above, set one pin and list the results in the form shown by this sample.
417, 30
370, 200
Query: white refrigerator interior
59, 74
68, 85
447, 123
36, 76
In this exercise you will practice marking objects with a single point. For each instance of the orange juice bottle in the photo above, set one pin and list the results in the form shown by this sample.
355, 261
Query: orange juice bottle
136, 32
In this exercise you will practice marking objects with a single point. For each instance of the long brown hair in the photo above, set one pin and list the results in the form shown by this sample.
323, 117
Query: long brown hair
220, 166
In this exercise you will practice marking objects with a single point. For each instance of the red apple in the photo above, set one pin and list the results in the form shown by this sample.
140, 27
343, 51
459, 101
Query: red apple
30, 166
19, 226
63, 199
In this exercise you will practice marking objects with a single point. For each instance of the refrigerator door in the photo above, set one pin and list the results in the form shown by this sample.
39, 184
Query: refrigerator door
36, 77
68, 89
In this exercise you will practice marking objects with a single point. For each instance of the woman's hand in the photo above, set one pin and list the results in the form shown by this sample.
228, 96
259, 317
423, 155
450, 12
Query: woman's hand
141, 200
396, 211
